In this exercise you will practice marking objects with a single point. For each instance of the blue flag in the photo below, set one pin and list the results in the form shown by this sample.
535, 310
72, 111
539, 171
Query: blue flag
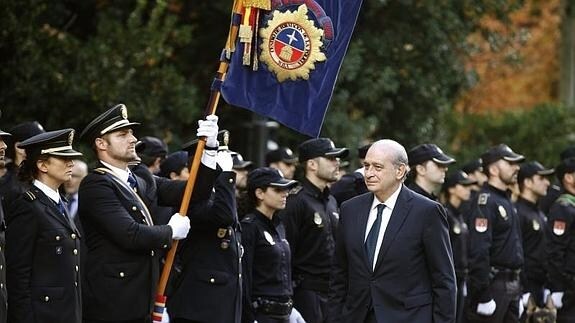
295, 57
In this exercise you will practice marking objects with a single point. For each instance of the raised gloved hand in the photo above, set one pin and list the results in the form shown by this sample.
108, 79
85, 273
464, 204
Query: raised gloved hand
295, 316
209, 129
225, 160
557, 298
486, 308
165, 316
180, 226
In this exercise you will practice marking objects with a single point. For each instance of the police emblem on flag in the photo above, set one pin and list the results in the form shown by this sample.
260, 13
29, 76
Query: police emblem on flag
558, 227
291, 44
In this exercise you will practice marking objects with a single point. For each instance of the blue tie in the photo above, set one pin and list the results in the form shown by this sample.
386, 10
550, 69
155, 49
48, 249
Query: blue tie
132, 181
371, 241
61, 207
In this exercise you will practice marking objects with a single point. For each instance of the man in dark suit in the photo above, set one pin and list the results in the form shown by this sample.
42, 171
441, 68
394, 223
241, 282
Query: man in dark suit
393, 257
122, 239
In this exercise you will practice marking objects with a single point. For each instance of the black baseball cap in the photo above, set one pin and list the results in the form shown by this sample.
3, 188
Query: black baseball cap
320, 147
112, 120
54, 143
566, 166
531, 169
281, 154
458, 177
424, 152
174, 162
501, 151
362, 151
25, 130
239, 162
472, 166
151, 147
265, 177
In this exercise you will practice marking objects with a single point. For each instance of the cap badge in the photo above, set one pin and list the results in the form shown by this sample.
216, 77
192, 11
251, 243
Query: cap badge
269, 238
317, 218
558, 227
226, 138
481, 224
502, 212
124, 112
222, 232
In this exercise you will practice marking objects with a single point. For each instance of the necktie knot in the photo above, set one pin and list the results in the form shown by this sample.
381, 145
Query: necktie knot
61, 207
132, 181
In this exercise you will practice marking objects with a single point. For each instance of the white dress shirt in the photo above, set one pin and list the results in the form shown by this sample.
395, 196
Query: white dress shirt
122, 173
385, 216
53, 195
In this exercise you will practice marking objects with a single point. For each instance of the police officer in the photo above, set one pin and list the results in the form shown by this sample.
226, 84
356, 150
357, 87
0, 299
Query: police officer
122, 240
311, 218
175, 166
561, 244
495, 250
152, 151
3, 293
533, 184
266, 262
282, 159
429, 165
474, 170
209, 289
43, 243
457, 190
353, 184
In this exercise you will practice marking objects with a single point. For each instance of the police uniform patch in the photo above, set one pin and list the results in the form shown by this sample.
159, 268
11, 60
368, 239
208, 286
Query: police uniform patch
481, 224
502, 212
536, 225
222, 232
482, 199
269, 238
559, 227
457, 229
317, 218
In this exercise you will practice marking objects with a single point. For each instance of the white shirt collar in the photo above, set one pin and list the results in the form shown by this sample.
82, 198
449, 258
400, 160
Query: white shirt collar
390, 203
122, 173
53, 195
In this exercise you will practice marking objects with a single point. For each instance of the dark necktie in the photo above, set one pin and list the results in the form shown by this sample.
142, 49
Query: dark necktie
371, 241
62, 208
132, 181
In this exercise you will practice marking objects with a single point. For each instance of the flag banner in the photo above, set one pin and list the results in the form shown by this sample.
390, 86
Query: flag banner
287, 59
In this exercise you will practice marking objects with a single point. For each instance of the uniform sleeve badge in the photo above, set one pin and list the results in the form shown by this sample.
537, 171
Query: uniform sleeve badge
559, 227
317, 219
481, 224
456, 229
269, 238
502, 212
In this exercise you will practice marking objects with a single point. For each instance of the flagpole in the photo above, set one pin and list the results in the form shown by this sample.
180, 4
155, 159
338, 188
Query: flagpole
160, 302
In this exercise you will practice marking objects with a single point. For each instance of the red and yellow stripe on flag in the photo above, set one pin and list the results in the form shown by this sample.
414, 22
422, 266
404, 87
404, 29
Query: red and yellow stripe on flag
159, 308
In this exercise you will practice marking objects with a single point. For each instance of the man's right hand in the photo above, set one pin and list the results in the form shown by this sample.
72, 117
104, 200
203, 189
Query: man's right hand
486, 309
180, 226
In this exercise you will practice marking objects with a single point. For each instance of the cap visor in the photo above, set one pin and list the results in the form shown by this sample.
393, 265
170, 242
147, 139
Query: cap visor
242, 165
67, 153
443, 160
284, 183
5, 134
546, 172
516, 158
338, 152
467, 181
122, 126
290, 160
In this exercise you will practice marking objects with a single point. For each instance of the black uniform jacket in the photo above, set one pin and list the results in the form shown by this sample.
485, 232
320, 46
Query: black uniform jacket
43, 262
209, 288
122, 258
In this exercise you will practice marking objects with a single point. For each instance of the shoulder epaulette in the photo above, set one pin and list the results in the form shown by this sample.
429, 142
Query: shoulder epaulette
482, 198
566, 200
30, 196
295, 190
99, 171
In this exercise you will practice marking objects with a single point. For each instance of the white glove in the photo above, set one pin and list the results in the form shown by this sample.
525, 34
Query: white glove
521, 307
486, 308
180, 226
557, 298
209, 129
295, 317
165, 316
525, 299
225, 160
546, 294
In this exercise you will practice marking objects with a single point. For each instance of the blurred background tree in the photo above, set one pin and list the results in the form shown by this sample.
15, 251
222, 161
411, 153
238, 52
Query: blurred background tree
409, 74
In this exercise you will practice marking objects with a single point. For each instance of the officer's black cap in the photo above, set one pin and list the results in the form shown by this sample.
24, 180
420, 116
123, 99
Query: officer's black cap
457, 177
25, 130
501, 151
531, 169
174, 162
112, 120
472, 166
223, 140
362, 151
320, 147
424, 152
53, 143
281, 154
239, 162
568, 153
151, 146
566, 166
265, 177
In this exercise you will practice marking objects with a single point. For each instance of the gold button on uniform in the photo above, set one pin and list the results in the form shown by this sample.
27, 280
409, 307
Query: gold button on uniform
165, 246
57, 238
134, 208
46, 298
152, 253
73, 236
75, 251
77, 268
122, 274
230, 180
212, 280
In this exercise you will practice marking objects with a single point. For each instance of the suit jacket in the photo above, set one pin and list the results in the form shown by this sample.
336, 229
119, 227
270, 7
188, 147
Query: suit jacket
43, 262
209, 287
413, 280
122, 258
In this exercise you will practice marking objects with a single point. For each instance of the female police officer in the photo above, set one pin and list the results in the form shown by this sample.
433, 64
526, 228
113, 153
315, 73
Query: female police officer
267, 264
42, 242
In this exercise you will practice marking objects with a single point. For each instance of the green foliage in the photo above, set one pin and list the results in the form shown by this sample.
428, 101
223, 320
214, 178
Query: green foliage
540, 133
